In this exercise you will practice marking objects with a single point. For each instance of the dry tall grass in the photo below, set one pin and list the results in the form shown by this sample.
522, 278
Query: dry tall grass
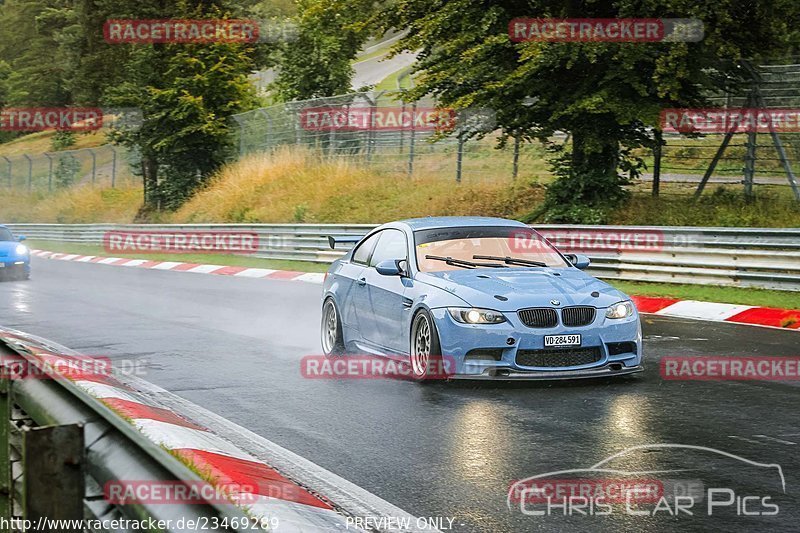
295, 186
78, 205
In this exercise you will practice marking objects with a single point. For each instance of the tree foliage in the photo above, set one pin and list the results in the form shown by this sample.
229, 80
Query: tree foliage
319, 62
53, 53
606, 95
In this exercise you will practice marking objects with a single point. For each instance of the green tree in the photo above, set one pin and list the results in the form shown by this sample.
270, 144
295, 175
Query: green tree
34, 41
606, 95
187, 94
319, 62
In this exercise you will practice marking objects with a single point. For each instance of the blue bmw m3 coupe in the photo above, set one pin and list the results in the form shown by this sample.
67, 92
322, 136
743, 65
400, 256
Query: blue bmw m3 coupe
492, 297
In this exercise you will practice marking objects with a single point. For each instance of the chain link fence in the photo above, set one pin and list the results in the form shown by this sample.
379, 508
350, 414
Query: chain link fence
102, 166
748, 158
378, 129
354, 127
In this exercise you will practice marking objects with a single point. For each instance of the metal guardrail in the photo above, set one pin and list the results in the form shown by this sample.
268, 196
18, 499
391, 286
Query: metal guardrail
751, 257
63, 446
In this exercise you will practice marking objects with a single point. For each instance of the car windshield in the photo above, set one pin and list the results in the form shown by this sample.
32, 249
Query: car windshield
512, 246
5, 235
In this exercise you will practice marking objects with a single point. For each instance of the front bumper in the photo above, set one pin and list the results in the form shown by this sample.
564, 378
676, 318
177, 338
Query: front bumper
507, 339
14, 268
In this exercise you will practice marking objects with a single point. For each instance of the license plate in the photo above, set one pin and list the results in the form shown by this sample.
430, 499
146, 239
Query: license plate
561, 340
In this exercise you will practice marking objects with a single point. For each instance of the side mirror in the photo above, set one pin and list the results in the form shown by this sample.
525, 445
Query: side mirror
21, 238
390, 267
581, 262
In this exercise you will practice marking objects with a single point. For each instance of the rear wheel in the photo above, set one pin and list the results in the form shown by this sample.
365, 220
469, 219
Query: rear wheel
426, 352
331, 331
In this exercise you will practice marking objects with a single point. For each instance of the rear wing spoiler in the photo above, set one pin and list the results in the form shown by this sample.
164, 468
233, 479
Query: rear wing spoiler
346, 239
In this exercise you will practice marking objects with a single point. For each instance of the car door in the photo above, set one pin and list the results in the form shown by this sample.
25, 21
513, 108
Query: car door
386, 326
355, 304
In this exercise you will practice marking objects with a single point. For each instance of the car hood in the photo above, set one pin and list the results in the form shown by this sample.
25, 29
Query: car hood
510, 289
8, 248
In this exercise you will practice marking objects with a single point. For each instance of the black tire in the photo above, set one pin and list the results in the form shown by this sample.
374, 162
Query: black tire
431, 368
332, 343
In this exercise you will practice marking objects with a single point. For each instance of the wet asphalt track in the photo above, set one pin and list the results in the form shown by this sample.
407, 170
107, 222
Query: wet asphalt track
233, 346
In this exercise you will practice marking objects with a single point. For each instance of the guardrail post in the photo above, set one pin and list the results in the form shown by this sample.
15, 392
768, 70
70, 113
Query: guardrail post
53, 472
5, 457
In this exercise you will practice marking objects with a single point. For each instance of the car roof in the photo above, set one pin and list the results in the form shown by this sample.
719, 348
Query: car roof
417, 224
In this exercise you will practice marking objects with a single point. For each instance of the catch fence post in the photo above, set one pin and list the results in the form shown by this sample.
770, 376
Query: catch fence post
49, 171
30, 171
459, 157
412, 139
113, 167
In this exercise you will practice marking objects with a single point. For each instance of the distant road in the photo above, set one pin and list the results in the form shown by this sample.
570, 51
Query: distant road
373, 71
695, 178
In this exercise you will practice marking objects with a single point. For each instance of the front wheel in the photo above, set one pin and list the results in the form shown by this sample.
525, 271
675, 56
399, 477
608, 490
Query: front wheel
426, 352
331, 331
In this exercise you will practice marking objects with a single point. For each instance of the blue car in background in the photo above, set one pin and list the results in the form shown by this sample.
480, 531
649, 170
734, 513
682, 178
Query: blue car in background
489, 297
15, 258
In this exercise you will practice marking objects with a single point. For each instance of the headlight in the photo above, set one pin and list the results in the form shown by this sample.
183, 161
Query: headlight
620, 310
22, 249
476, 316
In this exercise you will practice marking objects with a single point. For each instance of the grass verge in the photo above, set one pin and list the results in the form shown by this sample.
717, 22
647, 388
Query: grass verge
732, 295
705, 293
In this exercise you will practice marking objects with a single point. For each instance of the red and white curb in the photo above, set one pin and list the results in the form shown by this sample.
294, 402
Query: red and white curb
268, 494
691, 309
738, 314
195, 268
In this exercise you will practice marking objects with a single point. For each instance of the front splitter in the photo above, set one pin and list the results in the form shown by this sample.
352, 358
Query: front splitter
508, 374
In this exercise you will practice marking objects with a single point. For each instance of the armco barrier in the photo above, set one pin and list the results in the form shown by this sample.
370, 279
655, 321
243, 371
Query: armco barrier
752, 257
64, 446
86, 447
